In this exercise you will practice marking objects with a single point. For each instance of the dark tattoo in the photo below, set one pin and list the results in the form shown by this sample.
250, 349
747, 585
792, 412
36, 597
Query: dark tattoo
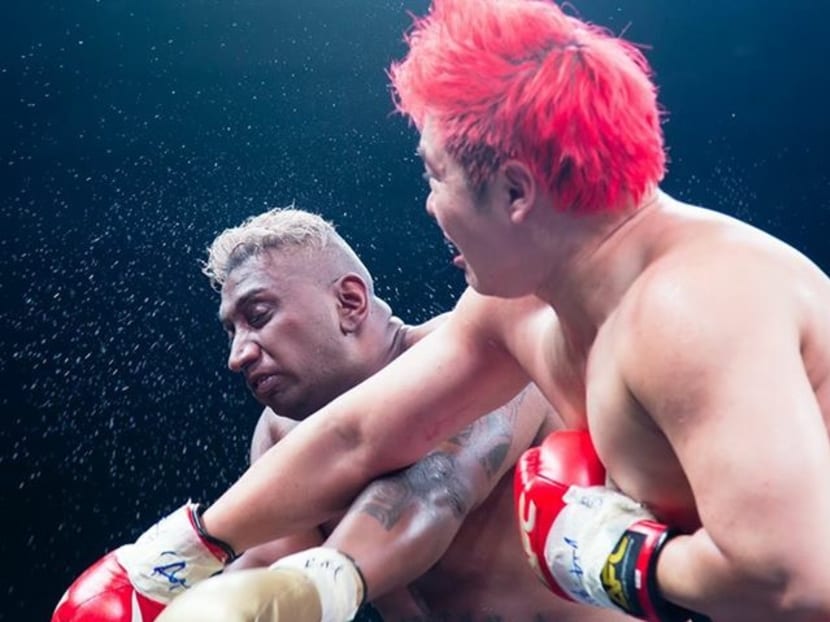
494, 458
433, 478
492, 435
438, 478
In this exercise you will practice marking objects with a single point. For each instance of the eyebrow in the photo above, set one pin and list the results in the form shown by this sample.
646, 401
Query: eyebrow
243, 300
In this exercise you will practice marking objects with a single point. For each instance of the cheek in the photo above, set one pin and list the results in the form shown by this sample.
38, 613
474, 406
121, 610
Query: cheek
318, 327
436, 198
442, 210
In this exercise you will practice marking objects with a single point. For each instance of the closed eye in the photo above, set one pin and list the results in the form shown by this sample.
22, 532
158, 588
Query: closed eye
258, 321
228, 328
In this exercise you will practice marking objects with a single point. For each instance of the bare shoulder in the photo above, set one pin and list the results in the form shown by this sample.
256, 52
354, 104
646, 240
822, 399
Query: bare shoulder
710, 343
722, 274
476, 317
413, 334
495, 319
722, 295
269, 430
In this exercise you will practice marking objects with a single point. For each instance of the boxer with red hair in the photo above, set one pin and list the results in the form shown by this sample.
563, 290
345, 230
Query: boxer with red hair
526, 81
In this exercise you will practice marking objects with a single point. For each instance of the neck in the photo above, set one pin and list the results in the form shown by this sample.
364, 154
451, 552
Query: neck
385, 337
607, 253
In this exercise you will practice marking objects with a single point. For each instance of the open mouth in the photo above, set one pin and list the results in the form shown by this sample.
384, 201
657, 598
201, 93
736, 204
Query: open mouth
457, 257
264, 383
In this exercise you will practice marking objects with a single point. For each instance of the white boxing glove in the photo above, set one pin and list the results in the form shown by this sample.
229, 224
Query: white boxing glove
316, 585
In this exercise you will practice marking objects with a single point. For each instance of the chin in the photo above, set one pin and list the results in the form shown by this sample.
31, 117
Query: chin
497, 290
297, 412
284, 408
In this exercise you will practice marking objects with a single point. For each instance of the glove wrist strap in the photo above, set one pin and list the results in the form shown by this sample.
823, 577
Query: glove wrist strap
340, 585
630, 575
220, 548
170, 557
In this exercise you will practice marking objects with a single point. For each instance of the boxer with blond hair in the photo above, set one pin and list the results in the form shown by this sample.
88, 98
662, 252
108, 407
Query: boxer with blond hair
304, 325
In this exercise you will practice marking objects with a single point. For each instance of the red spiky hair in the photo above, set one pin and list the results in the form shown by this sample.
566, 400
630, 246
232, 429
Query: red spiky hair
520, 79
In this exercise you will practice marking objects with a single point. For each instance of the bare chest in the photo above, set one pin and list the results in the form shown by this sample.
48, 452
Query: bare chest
639, 459
590, 391
484, 574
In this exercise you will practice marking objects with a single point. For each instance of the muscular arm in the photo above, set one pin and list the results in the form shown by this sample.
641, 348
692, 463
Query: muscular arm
403, 523
723, 378
268, 432
433, 390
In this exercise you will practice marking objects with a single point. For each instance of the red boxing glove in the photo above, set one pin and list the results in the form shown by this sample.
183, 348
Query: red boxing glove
590, 544
543, 475
135, 582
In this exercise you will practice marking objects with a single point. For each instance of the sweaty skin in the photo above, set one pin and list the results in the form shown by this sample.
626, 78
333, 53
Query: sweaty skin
482, 574
728, 417
693, 347
444, 527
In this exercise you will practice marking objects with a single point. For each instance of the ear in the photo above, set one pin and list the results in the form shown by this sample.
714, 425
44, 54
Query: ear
353, 301
521, 189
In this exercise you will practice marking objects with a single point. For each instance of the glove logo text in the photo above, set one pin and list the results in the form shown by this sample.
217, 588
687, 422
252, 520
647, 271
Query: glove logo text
612, 571
170, 571
618, 575
527, 523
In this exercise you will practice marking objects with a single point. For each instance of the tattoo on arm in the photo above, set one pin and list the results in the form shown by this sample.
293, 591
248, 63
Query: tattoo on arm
436, 476
492, 435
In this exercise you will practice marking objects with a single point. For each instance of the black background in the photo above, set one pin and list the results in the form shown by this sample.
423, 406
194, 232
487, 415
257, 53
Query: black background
132, 132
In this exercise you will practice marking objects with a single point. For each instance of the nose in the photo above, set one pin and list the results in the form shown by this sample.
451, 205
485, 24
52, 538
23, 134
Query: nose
428, 204
244, 351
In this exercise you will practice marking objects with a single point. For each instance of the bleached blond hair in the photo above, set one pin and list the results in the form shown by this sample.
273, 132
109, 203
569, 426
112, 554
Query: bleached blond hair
284, 229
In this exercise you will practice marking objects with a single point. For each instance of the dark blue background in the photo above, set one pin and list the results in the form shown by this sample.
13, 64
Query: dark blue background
132, 132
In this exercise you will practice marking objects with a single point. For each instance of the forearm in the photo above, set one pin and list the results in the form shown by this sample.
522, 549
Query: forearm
694, 573
298, 484
404, 523
395, 536
383, 424
309, 477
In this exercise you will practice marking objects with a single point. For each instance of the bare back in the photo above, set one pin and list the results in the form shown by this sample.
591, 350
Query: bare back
703, 384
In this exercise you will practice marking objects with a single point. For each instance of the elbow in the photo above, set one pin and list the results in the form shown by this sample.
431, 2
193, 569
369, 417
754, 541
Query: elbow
798, 581
779, 584
794, 592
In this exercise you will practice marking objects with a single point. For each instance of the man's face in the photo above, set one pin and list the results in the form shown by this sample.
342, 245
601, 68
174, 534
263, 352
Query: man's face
472, 221
284, 332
